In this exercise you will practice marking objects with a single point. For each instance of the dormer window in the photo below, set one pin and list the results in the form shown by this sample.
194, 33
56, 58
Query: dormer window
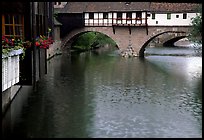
57, 3
127, 3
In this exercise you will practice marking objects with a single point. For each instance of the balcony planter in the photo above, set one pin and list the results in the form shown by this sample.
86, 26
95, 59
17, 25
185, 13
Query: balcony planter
10, 68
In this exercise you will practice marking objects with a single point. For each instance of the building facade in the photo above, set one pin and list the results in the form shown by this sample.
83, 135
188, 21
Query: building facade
172, 14
27, 21
80, 14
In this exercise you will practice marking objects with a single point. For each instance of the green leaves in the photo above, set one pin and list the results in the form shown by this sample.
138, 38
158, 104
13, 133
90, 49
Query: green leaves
92, 40
196, 32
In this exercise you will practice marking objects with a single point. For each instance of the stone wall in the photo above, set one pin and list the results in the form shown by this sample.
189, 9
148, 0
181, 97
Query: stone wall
54, 49
125, 36
8, 95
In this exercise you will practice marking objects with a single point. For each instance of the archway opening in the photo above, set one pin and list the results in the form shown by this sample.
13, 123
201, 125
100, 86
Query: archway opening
94, 41
163, 39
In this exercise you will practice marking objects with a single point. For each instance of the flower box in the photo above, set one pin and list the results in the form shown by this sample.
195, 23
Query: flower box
10, 69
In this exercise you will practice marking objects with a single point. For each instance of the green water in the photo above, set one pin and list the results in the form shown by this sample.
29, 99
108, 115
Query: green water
104, 95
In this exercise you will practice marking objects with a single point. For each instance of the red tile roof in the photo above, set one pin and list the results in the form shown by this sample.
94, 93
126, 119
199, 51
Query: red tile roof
80, 7
173, 7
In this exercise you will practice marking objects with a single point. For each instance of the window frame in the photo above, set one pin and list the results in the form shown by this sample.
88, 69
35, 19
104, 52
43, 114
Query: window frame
138, 14
13, 25
105, 15
91, 15
168, 16
184, 15
153, 15
129, 15
119, 15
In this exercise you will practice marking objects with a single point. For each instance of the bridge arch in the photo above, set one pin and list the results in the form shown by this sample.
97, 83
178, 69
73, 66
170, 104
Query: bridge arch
136, 37
172, 40
74, 38
71, 36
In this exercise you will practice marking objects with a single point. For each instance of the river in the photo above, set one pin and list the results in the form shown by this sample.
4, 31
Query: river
104, 95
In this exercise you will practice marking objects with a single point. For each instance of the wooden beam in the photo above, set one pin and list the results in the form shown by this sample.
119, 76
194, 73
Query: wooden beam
113, 29
129, 29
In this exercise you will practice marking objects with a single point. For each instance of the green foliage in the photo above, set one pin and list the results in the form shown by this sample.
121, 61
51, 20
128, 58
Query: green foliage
92, 40
102, 40
196, 32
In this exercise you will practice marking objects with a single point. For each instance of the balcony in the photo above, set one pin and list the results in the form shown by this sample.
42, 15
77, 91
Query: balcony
10, 69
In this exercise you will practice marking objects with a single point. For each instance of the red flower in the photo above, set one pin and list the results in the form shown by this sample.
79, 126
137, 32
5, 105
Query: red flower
43, 42
37, 44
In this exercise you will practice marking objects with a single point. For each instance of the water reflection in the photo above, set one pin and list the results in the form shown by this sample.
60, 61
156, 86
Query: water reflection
104, 95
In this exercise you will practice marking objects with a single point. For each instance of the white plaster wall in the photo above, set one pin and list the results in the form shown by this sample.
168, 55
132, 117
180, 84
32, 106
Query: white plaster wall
109, 15
133, 16
95, 15
123, 17
100, 18
114, 16
86, 15
160, 19
163, 21
100, 15
143, 14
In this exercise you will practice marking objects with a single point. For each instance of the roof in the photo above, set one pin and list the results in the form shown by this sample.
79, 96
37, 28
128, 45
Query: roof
173, 7
80, 7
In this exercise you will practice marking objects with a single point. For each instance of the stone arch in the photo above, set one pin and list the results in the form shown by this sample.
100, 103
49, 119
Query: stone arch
153, 36
138, 39
71, 36
172, 41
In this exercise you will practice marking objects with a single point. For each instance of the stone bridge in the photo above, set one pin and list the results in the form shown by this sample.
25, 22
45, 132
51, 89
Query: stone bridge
126, 37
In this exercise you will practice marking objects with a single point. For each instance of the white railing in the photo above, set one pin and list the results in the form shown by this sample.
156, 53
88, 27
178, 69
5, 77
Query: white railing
10, 69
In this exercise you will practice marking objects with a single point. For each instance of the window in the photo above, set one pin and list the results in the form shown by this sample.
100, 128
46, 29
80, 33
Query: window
13, 25
169, 16
119, 15
177, 16
105, 15
91, 15
129, 15
184, 16
57, 3
153, 15
127, 3
138, 14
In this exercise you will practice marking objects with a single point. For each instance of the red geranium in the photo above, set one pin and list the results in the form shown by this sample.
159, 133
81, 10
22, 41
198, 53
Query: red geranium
43, 42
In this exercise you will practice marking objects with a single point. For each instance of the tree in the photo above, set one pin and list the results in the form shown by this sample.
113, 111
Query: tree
196, 32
